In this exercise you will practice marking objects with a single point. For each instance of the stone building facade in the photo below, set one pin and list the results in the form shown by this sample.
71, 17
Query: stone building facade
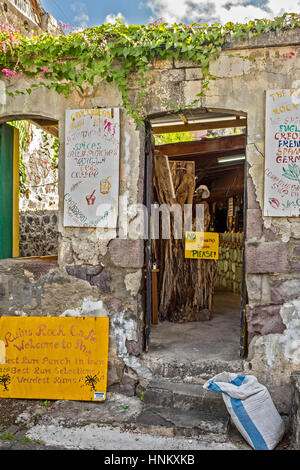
29, 17
100, 274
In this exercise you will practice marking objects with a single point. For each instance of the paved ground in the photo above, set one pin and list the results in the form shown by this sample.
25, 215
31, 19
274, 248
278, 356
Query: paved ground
93, 437
218, 338
70, 425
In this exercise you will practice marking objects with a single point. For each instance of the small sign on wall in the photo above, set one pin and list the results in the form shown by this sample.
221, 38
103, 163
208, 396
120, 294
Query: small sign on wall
92, 156
202, 245
54, 358
282, 153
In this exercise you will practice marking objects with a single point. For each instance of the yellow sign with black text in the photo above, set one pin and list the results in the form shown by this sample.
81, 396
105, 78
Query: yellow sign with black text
202, 245
54, 357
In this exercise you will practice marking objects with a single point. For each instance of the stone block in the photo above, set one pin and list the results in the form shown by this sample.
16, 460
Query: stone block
193, 73
102, 280
162, 64
181, 63
283, 291
296, 251
254, 223
228, 66
133, 282
270, 233
134, 348
190, 90
294, 266
251, 195
127, 253
95, 275
266, 257
264, 320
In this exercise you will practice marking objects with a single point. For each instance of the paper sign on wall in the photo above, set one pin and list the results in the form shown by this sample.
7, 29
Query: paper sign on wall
92, 167
282, 153
202, 245
54, 357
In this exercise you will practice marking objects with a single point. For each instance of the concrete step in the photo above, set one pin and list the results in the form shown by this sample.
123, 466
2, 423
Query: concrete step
194, 372
183, 396
188, 423
172, 408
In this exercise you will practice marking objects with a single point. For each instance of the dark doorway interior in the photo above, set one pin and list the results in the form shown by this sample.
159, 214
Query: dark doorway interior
218, 159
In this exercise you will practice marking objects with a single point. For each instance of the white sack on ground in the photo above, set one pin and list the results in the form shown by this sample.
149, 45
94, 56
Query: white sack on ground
251, 409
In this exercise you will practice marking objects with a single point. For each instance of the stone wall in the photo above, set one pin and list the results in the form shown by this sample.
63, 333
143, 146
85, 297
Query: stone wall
41, 185
38, 233
230, 263
108, 270
295, 410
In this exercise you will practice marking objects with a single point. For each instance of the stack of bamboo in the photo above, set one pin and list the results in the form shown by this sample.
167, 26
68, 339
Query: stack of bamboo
186, 286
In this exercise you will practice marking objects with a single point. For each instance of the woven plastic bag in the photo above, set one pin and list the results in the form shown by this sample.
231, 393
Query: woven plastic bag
251, 409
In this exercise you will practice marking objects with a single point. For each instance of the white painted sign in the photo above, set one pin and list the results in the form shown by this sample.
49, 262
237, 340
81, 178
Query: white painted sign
92, 154
282, 153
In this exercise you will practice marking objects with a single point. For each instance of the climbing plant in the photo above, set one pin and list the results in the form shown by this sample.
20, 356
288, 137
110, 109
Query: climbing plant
70, 61
51, 148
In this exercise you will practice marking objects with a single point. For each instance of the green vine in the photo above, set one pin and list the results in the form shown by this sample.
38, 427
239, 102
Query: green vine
114, 52
51, 143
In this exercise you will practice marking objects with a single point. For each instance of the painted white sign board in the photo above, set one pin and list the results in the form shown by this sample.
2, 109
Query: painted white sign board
282, 153
92, 155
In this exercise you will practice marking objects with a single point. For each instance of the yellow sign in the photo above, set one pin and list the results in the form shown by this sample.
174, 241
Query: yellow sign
54, 357
202, 245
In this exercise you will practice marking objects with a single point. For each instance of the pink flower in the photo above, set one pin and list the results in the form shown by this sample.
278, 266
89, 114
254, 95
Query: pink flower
11, 73
44, 70
8, 73
63, 25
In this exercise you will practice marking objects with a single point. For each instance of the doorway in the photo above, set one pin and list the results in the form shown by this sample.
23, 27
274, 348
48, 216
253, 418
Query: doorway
197, 308
29, 189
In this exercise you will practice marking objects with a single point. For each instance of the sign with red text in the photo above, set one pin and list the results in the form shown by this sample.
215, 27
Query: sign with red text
92, 167
282, 153
54, 357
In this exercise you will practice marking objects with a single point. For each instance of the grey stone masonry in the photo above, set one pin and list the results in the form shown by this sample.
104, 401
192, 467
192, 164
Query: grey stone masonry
295, 410
38, 233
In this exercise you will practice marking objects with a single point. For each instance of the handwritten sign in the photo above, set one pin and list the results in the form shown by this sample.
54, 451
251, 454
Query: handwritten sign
92, 168
282, 153
54, 357
202, 245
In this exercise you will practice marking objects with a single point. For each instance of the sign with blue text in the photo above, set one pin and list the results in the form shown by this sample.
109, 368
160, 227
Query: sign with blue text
92, 153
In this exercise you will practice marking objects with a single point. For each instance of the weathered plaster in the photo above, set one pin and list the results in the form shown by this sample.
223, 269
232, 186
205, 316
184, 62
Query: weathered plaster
240, 85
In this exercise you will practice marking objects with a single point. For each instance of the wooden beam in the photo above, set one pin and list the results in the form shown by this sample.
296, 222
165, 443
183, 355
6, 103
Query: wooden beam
216, 171
217, 145
44, 122
199, 126
47, 125
52, 130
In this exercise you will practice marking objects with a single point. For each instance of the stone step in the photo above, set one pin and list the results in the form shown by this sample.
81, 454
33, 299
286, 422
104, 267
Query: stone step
194, 372
183, 396
188, 423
